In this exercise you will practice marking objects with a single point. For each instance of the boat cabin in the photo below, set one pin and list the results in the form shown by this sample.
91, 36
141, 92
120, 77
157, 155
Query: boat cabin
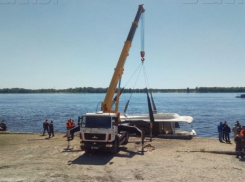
166, 125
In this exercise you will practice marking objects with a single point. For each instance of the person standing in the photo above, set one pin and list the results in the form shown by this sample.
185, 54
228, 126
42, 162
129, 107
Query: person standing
223, 126
73, 125
238, 124
68, 124
68, 127
243, 131
73, 129
220, 131
239, 144
227, 131
234, 130
51, 129
45, 126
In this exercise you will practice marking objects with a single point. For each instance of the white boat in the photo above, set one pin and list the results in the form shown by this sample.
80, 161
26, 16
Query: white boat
165, 125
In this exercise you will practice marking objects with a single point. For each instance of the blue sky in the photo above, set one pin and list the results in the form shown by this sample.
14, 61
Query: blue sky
66, 44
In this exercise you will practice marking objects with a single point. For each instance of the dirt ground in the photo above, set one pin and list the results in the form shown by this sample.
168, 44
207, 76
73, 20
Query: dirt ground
32, 157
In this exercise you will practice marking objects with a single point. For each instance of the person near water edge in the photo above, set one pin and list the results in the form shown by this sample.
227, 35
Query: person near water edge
220, 131
51, 129
239, 144
45, 126
227, 131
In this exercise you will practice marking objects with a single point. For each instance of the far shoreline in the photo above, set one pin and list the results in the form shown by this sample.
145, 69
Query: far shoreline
125, 90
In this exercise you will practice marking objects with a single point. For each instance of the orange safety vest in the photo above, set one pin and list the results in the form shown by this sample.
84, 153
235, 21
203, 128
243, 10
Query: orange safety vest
242, 132
73, 124
68, 124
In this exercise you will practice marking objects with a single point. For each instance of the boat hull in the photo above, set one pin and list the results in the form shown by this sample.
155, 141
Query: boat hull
174, 136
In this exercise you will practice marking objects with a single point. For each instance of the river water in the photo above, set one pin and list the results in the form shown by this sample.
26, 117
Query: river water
26, 112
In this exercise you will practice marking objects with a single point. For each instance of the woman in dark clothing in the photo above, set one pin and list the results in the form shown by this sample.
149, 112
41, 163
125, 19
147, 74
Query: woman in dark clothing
227, 131
51, 129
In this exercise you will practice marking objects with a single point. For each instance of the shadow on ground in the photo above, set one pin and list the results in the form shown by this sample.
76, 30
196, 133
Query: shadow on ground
47, 138
242, 160
102, 158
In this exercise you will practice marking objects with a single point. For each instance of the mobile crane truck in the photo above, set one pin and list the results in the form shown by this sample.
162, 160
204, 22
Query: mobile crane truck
103, 130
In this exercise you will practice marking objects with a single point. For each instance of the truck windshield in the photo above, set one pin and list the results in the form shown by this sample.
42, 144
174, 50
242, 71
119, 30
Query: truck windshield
96, 122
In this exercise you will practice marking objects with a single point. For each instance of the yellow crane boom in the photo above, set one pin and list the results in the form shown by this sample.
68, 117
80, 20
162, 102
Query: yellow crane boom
106, 105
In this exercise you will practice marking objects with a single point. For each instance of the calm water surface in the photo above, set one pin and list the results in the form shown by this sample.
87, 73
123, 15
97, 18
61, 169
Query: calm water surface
26, 112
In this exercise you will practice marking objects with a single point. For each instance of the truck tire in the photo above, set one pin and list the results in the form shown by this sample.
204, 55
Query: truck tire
115, 146
126, 138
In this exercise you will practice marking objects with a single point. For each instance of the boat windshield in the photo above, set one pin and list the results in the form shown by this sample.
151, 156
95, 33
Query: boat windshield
96, 122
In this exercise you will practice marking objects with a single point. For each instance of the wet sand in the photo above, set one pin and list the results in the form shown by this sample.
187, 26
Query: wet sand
32, 157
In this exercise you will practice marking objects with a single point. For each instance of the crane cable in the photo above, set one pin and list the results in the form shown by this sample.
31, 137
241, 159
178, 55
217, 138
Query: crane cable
138, 68
142, 52
147, 84
127, 103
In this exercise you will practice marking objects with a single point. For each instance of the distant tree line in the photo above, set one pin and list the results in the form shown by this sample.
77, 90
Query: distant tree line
104, 90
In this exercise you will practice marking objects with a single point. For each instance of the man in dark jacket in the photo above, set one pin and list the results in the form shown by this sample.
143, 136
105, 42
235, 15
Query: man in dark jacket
223, 126
227, 131
45, 126
220, 131
51, 129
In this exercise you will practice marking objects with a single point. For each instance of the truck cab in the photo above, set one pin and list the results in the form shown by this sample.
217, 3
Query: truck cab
99, 131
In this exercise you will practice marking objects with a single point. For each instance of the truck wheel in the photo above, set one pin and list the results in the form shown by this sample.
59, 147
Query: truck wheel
126, 138
115, 146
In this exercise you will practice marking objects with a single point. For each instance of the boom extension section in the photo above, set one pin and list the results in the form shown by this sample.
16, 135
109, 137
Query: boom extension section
107, 103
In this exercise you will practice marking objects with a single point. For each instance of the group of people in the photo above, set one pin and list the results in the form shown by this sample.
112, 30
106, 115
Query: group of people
224, 132
70, 124
71, 129
49, 127
239, 136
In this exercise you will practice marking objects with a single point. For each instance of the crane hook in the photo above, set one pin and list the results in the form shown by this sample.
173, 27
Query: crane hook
142, 53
